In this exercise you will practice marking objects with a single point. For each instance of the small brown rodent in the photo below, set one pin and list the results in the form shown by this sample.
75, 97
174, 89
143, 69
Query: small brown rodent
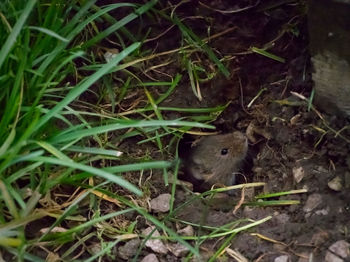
216, 159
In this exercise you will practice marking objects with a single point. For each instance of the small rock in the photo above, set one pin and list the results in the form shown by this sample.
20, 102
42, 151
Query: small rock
283, 258
186, 231
295, 119
298, 174
129, 249
338, 252
330, 257
323, 212
155, 244
110, 54
336, 184
312, 202
178, 249
150, 258
161, 203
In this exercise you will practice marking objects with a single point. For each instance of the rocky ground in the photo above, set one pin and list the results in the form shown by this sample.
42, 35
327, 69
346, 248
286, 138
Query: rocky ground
292, 145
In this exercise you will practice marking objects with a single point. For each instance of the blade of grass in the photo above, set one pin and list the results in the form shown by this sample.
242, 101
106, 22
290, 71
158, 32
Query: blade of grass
94, 151
120, 24
194, 39
11, 39
54, 151
12, 153
123, 125
49, 32
8, 200
95, 171
187, 110
91, 222
278, 194
119, 169
267, 54
84, 85
273, 203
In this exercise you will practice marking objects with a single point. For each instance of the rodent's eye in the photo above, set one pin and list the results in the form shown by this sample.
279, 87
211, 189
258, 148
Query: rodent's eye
224, 151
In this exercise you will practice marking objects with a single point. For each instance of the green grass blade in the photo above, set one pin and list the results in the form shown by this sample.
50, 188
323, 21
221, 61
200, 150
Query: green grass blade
120, 24
121, 169
84, 85
268, 54
194, 39
11, 39
7, 143
54, 151
94, 151
49, 32
123, 125
95, 171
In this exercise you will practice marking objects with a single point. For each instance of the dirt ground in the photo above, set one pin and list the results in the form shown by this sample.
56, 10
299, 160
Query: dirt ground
290, 146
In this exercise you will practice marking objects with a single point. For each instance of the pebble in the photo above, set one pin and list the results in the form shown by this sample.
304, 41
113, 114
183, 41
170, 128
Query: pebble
129, 249
186, 231
161, 203
150, 258
312, 202
283, 258
336, 184
338, 252
178, 249
298, 174
323, 212
156, 245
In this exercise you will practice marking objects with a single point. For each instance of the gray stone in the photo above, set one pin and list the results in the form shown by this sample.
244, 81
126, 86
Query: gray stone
129, 249
283, 258
155, 244
161, 203
150, 258
312, 202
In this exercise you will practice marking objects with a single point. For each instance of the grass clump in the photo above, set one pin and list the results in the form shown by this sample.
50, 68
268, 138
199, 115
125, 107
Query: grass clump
62, 120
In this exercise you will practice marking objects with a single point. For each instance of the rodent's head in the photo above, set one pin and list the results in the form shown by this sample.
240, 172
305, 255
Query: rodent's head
227, 147
217, 157
232, 146
219, 154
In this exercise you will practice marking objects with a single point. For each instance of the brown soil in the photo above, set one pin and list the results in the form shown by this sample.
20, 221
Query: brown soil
288, 138
298, 138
